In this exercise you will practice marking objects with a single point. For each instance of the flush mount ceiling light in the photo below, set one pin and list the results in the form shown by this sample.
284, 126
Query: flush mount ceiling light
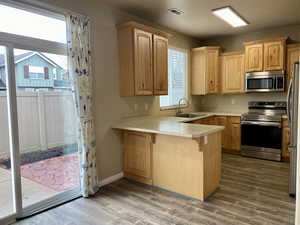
176, 11
230, 16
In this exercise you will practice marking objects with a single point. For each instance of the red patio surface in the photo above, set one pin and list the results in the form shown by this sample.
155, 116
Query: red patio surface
59, 173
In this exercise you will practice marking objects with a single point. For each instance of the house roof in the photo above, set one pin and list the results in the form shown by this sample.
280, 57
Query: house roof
21, 57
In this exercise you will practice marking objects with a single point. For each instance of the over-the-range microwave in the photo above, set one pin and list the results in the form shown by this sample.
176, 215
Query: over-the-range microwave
264, 81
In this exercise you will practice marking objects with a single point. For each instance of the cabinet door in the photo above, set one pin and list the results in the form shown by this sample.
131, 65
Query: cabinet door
232, 73
285, 143
160, 45
285, 140
236, 136
274, 55
137, 154
222, 121
293, 55
254, 57
212, 61
143, 69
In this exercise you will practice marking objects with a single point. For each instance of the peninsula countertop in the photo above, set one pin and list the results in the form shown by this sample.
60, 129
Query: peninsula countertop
167, 125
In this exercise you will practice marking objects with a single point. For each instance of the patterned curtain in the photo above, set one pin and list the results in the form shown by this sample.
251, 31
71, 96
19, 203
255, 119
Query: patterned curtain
79, 60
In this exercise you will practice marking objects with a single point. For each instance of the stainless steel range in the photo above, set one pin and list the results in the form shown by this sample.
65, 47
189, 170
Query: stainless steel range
261, 131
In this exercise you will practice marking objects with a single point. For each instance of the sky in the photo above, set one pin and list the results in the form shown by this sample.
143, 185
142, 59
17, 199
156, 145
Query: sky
21, 22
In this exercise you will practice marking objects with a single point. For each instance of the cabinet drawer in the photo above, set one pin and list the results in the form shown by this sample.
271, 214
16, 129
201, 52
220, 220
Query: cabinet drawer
235, 119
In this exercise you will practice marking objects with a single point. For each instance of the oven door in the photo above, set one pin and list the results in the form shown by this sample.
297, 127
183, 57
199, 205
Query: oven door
260, 84
261, 139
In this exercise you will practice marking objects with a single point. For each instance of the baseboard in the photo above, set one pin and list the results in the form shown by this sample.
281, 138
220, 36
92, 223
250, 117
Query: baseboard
111, 179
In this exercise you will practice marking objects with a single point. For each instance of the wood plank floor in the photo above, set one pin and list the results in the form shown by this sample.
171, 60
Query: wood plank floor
252, 192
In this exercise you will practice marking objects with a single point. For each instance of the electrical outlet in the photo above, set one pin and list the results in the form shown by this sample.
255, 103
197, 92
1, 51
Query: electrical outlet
232, 101
136, 107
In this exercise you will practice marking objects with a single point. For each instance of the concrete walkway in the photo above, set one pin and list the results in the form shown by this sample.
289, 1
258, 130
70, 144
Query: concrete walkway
32, 192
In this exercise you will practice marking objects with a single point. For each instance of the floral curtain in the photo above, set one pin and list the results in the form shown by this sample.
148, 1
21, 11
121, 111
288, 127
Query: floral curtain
79, 60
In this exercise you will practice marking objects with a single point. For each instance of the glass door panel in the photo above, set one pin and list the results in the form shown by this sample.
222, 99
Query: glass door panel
6, 178
47, 126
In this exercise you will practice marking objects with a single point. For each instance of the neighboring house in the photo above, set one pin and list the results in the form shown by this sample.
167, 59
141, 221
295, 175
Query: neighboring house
35, 71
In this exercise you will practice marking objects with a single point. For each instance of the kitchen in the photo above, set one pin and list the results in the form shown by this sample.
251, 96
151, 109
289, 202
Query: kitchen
194, 117
259, 128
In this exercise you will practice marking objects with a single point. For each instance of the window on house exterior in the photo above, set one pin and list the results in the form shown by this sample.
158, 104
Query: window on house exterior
36, 72
177, 78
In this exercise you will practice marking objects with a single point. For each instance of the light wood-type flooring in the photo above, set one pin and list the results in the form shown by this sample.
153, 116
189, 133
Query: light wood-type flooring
252, 192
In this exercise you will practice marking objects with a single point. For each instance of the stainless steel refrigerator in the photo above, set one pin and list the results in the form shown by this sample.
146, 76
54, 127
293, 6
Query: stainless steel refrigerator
292, 111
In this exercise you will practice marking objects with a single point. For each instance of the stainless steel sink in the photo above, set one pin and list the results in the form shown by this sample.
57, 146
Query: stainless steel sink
188, 115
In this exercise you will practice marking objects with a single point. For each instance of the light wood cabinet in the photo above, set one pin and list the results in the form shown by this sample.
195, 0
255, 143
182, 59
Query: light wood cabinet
265, 55
188, 166
206, 121
285, 140
160, 65
293, 55
231, 135
205, 68
254, 57
235, 137
222, 121
143, 60
137, 156
232, 72
274, 55
143, 69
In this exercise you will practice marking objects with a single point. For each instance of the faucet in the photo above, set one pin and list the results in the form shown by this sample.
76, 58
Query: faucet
179, 111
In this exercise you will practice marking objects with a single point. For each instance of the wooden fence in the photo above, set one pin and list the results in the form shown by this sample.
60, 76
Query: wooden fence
45, 119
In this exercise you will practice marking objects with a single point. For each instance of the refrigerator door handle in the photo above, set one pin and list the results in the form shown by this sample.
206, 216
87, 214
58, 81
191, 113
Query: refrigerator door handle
289, 102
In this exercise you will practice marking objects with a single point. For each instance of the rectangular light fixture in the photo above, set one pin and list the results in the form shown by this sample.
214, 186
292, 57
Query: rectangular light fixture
230, 16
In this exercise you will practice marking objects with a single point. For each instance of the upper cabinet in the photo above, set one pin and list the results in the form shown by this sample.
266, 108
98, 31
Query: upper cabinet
160, 65
143, 69
232, 73
265, 55
143, 59
274, 55
293, 55
254, 57
205, 61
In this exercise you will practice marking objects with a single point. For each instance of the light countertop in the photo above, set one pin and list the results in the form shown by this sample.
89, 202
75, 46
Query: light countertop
174, 126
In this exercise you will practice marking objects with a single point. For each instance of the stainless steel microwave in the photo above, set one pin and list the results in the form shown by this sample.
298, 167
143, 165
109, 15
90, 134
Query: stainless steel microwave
268, 81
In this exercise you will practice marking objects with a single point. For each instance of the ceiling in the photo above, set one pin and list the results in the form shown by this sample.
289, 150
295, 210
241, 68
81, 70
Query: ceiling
199, 22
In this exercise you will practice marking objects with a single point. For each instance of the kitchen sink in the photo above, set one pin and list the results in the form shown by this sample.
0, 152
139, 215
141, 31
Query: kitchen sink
189, 115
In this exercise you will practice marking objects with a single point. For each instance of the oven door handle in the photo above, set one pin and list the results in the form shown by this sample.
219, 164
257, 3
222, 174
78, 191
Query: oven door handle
269, 124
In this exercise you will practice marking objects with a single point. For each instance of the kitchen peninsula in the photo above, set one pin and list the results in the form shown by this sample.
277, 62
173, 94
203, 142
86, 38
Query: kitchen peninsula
168, 153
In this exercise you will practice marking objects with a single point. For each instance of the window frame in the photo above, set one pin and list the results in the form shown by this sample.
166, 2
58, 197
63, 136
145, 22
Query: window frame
187, 70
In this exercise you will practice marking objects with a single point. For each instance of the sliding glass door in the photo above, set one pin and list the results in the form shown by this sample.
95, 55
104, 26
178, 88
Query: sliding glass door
7, 206
39, 163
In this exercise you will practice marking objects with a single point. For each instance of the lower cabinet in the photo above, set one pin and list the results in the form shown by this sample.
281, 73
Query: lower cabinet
231, 135
137, 150
188, 166
285, 140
